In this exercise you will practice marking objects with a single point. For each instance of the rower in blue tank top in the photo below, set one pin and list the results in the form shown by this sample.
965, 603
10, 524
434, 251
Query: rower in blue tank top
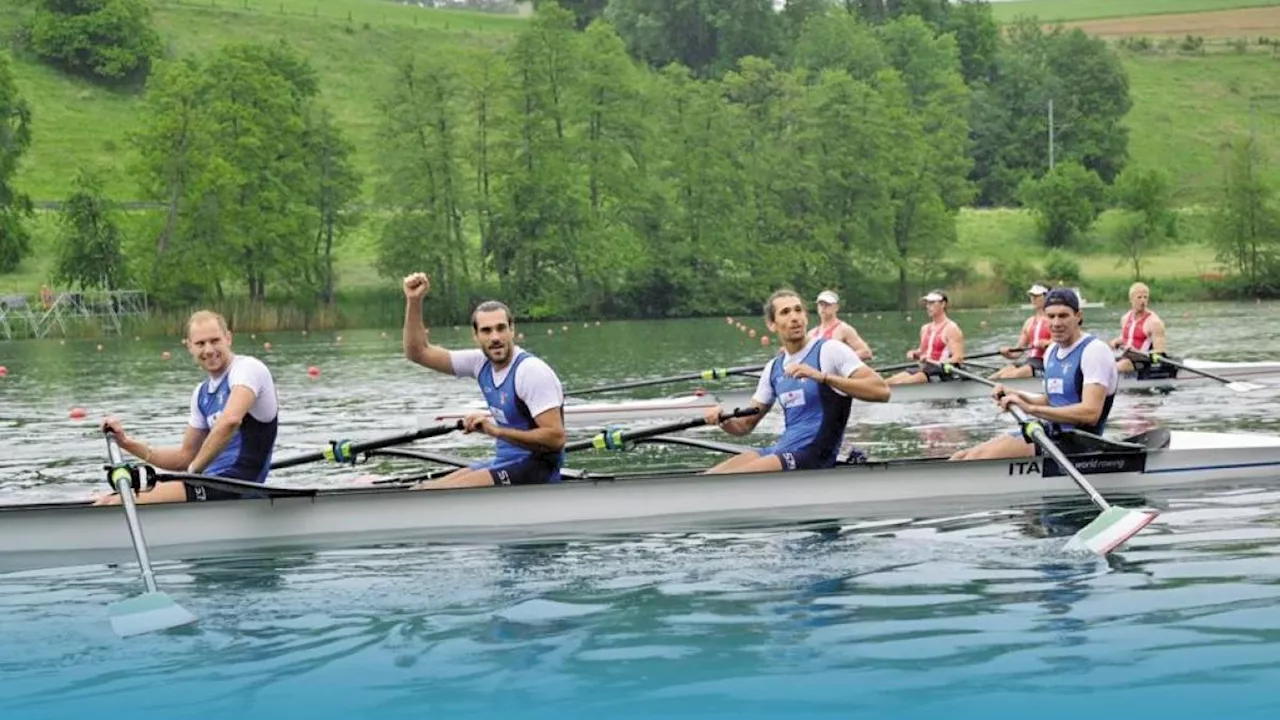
231, 427
525, 399
1080, 382
815, 381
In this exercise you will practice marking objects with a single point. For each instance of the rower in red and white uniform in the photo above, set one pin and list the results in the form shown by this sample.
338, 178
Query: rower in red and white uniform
941, 340
833, 328
1143, 330
1032, 341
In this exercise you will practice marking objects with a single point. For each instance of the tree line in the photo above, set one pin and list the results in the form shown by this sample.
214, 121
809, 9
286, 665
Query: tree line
626, 158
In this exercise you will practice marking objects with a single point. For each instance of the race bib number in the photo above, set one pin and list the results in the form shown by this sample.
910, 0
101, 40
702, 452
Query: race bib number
1053, 386
791, 399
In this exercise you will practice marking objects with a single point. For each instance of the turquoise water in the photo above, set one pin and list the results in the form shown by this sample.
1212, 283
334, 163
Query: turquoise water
975, 616
963, 618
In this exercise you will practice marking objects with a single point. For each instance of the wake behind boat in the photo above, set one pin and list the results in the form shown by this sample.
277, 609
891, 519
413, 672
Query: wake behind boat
59, 534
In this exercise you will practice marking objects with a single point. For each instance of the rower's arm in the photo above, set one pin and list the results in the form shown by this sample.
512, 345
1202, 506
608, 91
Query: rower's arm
744, 425
1085, 412
173, 459
416, 346
864, 384
851, 338
547, 435
220, 435
1024, 341
1155, 331
955, 343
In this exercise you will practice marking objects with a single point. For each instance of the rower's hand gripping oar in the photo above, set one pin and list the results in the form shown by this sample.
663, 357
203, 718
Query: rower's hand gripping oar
616, 439
1115, 524
712, 374
1240, 387
153, 610
345, 451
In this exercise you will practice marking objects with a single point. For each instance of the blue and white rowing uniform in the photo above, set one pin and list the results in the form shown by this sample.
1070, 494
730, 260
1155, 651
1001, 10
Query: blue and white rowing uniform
814, 415
516, 394
1068, 370
248, 455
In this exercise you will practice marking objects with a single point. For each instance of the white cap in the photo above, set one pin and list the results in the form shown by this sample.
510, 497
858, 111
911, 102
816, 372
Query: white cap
826, 296
935, 296
1038, 289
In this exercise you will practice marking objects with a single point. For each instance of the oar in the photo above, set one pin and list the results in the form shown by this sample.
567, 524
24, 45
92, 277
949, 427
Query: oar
712, 374
616, 439
345, 451
1238, 386
916, 363
1115, 524
153, 610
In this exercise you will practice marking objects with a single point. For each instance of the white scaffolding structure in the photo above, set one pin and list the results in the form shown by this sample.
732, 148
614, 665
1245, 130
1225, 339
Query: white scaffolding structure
108, 308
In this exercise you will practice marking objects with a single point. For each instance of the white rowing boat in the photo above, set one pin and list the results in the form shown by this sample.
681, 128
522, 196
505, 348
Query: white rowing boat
58, 534
605, 412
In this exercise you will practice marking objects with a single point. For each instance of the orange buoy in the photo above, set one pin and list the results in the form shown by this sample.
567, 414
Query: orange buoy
764, 341
76, 413
3, 371
266, 346
313, 371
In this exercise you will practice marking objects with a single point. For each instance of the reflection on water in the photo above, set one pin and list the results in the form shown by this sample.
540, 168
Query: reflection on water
894, 620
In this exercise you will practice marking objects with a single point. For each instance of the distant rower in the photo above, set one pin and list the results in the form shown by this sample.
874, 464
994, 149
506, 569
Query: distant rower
833, 328
941, 340
1035, 337
1141, 329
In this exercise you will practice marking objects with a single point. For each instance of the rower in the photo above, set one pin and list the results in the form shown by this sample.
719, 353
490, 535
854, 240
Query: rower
833, 328
231, 431
1143, 330
815, 380
1080, 382
1032, 341
941, 340
525, 398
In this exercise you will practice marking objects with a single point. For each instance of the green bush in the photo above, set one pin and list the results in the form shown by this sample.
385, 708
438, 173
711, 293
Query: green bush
108, 40
1061, 269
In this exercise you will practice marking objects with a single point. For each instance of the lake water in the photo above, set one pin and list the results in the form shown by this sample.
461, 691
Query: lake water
974, 616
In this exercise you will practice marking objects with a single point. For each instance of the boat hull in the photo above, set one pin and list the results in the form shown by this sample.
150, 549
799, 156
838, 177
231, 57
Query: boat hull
72, 534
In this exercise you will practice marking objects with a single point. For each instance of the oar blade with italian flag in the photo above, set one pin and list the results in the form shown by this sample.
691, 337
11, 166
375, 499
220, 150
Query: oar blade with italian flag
1111, 529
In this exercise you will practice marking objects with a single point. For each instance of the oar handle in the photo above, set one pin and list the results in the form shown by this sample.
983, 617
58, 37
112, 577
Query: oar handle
616, 438
345, 451
708, 375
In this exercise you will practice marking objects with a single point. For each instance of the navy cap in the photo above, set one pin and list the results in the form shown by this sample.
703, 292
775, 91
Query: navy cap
1063, 296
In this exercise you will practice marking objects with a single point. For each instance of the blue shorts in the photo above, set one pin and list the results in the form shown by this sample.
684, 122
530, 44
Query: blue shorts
532, 470
804, 457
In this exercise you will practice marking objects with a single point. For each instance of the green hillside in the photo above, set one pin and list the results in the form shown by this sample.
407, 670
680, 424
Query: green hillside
1053, 10
76, 122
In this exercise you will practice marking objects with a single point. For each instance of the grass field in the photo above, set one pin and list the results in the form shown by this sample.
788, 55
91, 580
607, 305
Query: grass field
78, 123
1054, 10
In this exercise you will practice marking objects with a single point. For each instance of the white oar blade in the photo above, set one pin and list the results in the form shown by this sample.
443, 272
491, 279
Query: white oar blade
1110, 530
1244, 387
146, 613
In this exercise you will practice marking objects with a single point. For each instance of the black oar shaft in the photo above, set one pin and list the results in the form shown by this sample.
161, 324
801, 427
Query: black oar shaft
613, 439
711, 374
350, 449
1181, 366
